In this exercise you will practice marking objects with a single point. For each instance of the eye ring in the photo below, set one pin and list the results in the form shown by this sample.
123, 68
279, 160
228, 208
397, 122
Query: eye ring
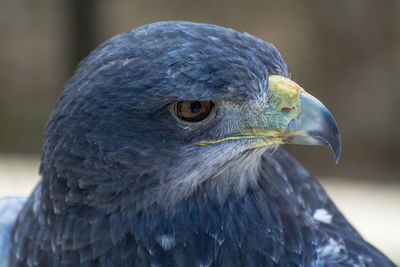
193, 110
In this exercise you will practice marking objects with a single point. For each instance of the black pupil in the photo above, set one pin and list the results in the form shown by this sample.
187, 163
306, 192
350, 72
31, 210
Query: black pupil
195, 107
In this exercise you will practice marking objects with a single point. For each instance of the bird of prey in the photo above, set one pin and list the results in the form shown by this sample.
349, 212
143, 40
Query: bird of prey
164, 150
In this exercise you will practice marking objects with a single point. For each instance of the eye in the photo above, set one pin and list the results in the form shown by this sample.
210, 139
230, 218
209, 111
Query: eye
193, 111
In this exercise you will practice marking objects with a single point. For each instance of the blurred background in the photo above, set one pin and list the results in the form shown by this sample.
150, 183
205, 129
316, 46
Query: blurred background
346, 53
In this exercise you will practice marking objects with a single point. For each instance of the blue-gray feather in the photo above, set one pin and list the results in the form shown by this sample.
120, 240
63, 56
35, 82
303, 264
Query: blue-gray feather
112, 147
9, 209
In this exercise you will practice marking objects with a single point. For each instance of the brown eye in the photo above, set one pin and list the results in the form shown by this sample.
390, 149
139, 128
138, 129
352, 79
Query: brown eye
193, 111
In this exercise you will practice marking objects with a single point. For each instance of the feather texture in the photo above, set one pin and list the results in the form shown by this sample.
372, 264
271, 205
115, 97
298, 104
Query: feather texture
268, 226
125, 183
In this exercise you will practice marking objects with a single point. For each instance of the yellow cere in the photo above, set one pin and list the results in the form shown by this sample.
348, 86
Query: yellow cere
286, 95
282, 83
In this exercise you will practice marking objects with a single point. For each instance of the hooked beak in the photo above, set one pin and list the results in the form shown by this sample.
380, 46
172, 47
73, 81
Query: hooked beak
290, 116
314, 126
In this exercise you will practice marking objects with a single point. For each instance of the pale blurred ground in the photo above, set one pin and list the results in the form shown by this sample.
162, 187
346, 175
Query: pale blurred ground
372, 208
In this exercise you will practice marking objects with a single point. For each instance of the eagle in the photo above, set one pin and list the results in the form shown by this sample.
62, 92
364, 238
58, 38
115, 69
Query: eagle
164, 149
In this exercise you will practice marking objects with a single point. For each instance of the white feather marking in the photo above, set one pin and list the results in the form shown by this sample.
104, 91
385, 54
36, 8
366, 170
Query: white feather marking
322, 215
208, 264
330, 249
166, 241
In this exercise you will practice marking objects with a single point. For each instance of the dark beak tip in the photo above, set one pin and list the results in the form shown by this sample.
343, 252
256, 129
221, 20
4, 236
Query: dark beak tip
317, 121
333, 143
336, 149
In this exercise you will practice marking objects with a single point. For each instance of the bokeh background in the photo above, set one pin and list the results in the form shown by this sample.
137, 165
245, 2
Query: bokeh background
346, 53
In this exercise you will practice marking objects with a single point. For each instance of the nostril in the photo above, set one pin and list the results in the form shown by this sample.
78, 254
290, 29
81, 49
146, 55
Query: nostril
286, 110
